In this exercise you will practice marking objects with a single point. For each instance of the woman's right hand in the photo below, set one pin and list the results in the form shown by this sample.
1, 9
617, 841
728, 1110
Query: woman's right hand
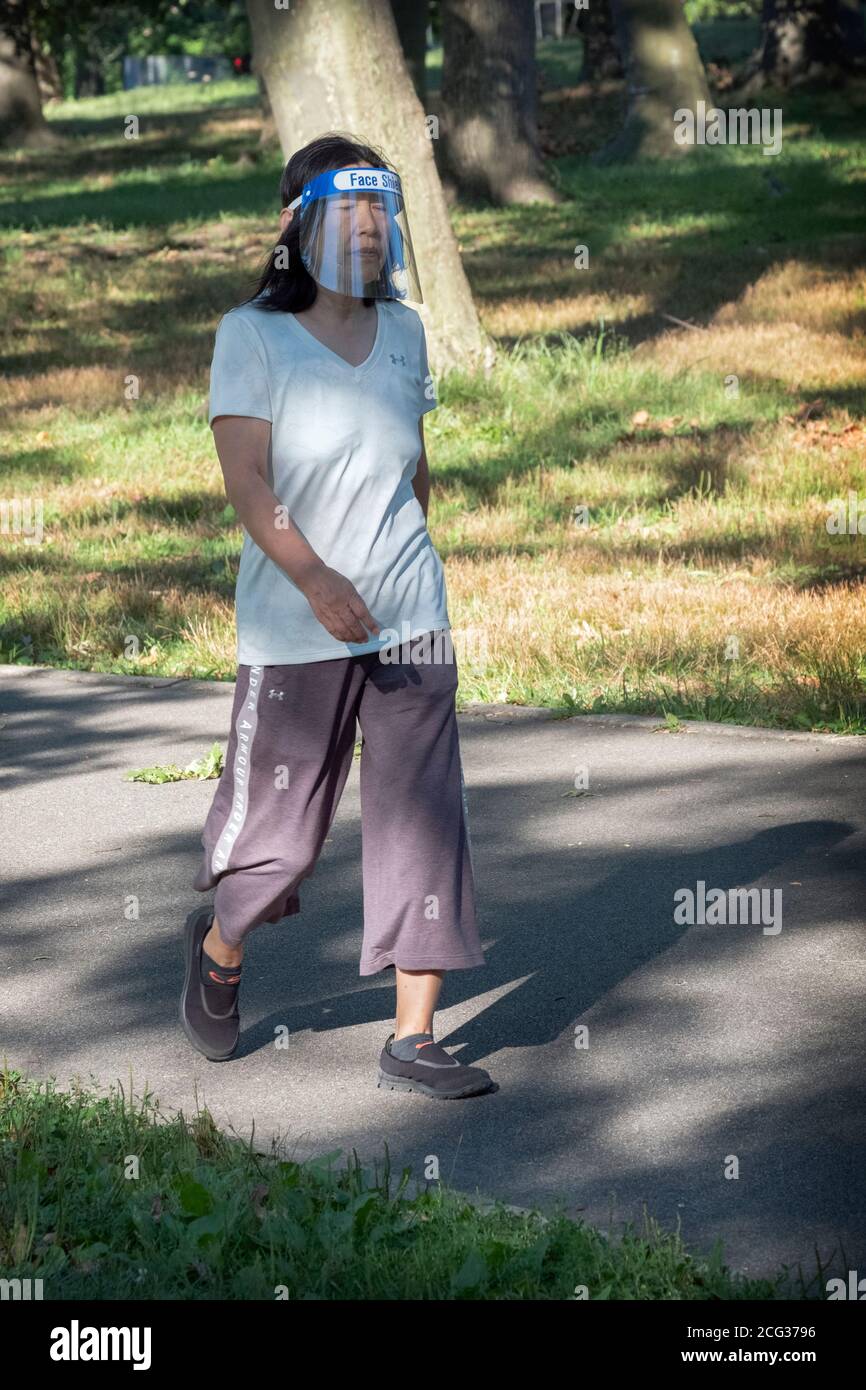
338, 605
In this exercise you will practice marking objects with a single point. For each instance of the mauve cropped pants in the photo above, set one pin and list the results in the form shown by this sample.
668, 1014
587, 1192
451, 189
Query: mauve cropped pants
289, 752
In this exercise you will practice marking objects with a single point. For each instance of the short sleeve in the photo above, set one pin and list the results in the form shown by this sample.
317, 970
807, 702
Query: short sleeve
238, 375
428, 386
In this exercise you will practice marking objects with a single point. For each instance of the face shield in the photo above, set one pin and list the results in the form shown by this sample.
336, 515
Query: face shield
354, 236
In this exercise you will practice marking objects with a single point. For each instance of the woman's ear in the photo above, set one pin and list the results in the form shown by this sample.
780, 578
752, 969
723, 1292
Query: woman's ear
286, 215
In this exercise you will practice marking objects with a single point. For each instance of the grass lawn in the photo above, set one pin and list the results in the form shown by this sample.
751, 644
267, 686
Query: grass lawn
102, 1198
632, 513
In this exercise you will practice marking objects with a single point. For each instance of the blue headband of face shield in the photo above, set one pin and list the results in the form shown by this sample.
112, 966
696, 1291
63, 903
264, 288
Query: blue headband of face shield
348, 181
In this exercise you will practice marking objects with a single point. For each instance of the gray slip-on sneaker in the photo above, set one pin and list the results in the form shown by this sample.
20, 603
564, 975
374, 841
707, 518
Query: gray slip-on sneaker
431, 1071
209, 1013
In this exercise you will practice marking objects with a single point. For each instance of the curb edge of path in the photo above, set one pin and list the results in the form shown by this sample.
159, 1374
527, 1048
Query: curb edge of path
485, 1203
500, 713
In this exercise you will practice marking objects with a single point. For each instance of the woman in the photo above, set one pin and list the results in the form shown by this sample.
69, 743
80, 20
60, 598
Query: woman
319, 383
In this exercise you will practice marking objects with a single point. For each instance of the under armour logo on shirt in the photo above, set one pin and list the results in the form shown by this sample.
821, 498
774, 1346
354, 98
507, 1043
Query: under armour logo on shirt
395, 358
275, 694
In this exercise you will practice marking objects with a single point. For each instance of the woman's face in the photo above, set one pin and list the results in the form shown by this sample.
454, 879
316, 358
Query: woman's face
364, 221
359, 225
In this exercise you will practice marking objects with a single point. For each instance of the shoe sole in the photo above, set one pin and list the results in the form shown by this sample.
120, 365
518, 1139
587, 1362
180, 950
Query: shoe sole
189, 948
404, 1083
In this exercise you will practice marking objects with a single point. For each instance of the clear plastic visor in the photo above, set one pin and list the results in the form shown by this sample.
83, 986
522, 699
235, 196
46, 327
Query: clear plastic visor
357, 242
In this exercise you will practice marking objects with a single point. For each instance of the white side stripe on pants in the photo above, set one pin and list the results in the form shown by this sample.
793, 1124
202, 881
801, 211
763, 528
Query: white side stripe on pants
465, 813
246, 729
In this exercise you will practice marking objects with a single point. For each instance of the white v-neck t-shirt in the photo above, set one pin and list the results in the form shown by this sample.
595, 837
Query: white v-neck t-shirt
344, 449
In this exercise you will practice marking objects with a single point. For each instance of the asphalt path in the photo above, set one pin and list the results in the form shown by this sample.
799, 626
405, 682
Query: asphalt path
718, 1081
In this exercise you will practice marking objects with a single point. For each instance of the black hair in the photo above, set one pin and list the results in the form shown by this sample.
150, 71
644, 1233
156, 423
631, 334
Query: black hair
292, 290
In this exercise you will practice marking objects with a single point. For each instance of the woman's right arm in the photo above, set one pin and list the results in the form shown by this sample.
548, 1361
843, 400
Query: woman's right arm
242, 447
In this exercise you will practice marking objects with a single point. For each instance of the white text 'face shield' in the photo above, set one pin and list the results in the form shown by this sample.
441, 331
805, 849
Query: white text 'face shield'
354, 236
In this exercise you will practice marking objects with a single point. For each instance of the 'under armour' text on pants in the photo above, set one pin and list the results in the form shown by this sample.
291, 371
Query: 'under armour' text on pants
289, 753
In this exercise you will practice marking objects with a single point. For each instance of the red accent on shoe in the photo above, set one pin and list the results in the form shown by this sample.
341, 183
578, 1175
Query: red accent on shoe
232, 979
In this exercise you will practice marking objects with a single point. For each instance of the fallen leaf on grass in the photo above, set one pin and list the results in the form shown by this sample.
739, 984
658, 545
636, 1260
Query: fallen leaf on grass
805, 412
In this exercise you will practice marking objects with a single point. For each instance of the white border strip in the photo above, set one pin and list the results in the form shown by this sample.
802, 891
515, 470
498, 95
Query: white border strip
246, 726
465, 811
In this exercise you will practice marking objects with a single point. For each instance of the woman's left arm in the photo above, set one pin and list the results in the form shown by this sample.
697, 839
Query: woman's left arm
421, 481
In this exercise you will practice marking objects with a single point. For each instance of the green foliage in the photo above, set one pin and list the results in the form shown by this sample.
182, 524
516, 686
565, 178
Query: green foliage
89, 39
198, 27
202, 769
672, 724
705, 11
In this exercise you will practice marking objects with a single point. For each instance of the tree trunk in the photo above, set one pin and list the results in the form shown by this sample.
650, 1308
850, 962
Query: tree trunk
47, 73
21, 118
664, 73
339, 67
489, 145
88, 80
601, 55
268, 132
803, 39
411, 18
